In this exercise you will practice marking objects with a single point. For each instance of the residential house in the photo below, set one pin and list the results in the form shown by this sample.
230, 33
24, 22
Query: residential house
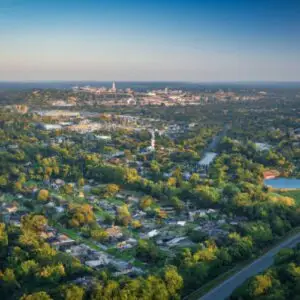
114, 232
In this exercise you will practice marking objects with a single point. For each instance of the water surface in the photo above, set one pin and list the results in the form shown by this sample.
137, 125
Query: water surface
283, 183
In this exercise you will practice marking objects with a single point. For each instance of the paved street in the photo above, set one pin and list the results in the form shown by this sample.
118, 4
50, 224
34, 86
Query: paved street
225, 289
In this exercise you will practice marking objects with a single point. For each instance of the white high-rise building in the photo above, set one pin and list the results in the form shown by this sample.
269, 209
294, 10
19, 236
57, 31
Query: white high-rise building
113, 88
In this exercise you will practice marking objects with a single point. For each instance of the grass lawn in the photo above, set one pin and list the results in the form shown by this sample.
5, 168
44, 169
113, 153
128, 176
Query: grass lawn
115, 201
74, 235
293, 194
69, 232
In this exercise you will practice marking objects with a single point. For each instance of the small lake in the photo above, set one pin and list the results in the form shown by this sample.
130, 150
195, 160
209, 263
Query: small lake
283, 183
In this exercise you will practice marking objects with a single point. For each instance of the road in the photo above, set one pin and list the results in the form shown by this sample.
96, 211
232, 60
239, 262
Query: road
217, 139
226, 288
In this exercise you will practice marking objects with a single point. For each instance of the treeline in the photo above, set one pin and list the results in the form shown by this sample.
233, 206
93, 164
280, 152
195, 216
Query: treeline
280, 282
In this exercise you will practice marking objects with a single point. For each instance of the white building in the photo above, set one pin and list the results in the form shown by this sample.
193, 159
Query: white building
262, 146
51, 126
113, 88
152, 233
175, 241
207, 159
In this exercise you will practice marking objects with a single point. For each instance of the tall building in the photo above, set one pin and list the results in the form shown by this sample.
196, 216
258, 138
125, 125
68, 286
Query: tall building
113, 88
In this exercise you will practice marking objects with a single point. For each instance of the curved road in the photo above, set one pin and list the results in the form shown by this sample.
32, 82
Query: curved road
226, 288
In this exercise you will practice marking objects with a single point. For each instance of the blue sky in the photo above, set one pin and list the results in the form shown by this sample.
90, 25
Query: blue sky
204, 40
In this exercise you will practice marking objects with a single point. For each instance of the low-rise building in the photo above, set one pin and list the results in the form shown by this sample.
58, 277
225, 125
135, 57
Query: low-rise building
114, 232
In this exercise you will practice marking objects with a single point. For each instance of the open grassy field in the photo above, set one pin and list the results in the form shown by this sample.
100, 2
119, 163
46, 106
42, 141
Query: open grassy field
293, 194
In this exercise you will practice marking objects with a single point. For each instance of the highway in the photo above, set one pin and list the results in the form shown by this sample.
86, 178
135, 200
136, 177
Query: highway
225, 289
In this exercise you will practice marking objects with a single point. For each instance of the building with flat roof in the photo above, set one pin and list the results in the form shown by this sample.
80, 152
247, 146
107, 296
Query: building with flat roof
207, 159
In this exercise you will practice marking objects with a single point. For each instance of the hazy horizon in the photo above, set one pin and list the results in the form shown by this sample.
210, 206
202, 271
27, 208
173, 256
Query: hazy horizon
185, 41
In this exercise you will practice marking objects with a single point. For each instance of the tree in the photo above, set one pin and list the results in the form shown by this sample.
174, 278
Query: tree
18, 186
99, 235
3, 239
147, 251
194, 179
208, 195
72, 292
3, 181
145, 202
124, 215
8, 281
79, 215
36, 296
154, 167
136, 224
172, 181
111, 190
111, 290
34, 223
177, 203
240, 247
260, 232
28, 267
43, 195
284, 255
68, 188
131, 175
80, 182
260, 285
156, 288
52, 273
173, 280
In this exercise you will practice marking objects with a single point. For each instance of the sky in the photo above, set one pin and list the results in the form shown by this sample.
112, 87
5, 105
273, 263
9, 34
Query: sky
158, 40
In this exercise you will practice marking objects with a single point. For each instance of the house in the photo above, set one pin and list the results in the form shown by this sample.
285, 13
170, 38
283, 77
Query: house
181, 223
87, 188
152, 233
168, 209
15, 219
62, 240
48, 235
86, 281
50, 204
59, 209
78, 250
129, 271
59, 182
120, 265
124, 245
13, 147
102, 260
133, 199
50, 126
114, 232
139, 214
103, 137
10, 208
120, 196
262, 147
187, 175
176, 241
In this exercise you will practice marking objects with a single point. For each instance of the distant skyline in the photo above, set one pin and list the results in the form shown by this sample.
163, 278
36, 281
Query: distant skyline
190, 41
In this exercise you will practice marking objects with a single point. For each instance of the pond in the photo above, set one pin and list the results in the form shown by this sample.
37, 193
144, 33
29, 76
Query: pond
283, 183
